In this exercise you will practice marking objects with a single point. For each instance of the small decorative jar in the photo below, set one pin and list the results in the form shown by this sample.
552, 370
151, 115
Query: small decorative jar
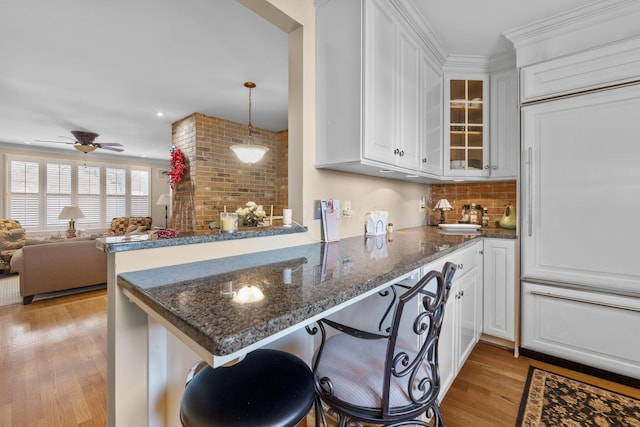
228, 222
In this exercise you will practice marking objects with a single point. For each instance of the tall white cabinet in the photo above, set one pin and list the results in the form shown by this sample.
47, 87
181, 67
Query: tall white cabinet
580, 153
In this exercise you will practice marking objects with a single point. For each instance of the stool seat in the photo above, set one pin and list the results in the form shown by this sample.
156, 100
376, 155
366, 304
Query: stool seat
267, 388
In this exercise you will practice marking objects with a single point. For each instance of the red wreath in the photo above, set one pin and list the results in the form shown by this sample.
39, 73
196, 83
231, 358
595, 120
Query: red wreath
177, 167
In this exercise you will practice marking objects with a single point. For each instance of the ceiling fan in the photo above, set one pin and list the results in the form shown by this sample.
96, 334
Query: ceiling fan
85, 142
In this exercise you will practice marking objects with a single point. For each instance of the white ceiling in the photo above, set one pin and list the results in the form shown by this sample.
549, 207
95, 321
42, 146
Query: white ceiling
110, 66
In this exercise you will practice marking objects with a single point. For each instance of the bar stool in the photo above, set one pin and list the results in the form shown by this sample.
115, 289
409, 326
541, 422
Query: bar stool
267, 388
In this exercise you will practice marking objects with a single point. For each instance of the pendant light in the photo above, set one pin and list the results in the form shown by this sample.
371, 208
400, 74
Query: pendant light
249, 152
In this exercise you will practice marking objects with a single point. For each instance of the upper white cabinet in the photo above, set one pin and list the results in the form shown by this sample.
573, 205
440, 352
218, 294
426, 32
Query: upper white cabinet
504, 147
481, 132
466, 118
375, 80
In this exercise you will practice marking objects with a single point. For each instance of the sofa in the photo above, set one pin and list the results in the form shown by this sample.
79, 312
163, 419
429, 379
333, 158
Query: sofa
58, 265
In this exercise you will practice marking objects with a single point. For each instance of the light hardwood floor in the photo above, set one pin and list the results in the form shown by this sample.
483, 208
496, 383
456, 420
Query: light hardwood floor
53, 370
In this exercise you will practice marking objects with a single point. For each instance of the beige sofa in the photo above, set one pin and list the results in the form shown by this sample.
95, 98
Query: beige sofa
58, 265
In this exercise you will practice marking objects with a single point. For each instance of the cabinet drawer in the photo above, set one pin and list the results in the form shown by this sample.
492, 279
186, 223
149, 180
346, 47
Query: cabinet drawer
465, 259
595, 329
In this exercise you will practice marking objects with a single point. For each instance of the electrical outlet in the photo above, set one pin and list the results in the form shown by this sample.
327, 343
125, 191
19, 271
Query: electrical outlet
317, 209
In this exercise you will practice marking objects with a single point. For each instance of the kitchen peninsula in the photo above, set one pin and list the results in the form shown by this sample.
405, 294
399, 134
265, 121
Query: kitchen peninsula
198, 299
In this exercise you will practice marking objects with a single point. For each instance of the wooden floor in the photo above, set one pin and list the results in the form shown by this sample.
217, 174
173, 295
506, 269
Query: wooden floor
53, 370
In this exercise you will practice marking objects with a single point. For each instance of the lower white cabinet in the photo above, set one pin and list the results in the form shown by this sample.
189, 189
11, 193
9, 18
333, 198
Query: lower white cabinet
462, 325
499, 288
591, 328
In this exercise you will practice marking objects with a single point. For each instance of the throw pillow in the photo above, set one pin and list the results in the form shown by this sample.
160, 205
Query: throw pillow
12, 239
130, 229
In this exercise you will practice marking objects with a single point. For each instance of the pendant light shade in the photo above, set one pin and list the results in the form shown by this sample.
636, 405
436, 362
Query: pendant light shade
249, 152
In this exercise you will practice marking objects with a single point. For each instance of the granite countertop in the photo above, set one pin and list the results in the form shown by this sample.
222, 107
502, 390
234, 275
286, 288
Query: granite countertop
111, 244
201, 298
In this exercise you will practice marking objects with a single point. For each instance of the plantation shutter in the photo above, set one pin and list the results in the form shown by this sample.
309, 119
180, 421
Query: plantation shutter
24, 193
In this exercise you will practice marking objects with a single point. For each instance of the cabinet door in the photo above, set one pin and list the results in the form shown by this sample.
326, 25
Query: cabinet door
499, 288
410, 110
580, 168
446, 345
469, 313
505, 136
466, 118
379, 82
431, 157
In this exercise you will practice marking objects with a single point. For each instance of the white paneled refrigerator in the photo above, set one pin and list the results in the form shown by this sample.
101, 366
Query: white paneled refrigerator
580, 228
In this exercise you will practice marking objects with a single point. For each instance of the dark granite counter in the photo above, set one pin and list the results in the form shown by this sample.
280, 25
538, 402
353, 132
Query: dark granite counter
136, 242
204, 299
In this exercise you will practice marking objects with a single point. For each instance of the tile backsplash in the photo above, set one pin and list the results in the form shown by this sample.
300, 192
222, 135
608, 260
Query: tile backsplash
492, 195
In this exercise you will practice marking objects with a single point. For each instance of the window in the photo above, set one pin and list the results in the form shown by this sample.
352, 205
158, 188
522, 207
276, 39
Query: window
40, 188
24, 194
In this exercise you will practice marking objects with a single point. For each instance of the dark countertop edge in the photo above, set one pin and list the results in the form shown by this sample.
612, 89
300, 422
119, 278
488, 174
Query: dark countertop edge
134, 243
228, 345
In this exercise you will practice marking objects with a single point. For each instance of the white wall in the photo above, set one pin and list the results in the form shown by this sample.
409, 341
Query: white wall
306, 183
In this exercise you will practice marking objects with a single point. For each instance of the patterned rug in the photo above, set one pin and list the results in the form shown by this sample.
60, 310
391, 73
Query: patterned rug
554, 400
9, 289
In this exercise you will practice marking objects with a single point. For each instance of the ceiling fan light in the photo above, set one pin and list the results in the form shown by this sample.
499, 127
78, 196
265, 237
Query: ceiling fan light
249, 153
85, 148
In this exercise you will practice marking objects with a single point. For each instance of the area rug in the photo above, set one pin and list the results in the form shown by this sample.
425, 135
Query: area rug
554, 400
9, 289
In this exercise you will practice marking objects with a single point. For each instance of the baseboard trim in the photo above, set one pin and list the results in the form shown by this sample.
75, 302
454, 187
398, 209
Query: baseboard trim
579, 367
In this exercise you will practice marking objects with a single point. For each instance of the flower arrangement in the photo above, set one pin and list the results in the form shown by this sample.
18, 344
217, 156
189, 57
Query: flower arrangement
178, 167
165, 233
251, 216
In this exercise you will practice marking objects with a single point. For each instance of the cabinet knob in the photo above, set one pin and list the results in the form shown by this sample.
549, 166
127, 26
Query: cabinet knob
486, 166
396, 151
494, 167
424, 160
401, 153
461, 294
460, 266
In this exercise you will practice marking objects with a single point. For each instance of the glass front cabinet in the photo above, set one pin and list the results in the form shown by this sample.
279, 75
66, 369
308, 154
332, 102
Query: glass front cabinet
466, 118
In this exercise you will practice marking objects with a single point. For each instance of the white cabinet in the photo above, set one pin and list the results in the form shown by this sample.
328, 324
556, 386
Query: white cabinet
377, 91
592, 328
499, 288
462, 325
466, 125
504, 147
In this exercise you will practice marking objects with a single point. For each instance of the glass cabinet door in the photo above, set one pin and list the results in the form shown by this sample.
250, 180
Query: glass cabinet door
467, 114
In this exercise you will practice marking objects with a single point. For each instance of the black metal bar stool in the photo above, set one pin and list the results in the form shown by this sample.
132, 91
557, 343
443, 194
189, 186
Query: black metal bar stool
267, 388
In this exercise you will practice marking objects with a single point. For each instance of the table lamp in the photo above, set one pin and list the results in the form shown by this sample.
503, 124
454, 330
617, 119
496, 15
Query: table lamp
71, 213
164, 200
442, 205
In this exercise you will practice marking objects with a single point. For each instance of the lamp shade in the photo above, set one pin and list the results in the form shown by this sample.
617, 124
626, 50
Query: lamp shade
164, 200
442, 205
249, 153
71, 212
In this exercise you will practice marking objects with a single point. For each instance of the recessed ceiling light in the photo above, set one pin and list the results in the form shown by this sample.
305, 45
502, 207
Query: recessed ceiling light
160, 114
385, 171
28, 142
412, 176
144, 155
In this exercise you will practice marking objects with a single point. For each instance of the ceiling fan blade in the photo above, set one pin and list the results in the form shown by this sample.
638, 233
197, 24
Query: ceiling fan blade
118, 149
55, 142
109, 144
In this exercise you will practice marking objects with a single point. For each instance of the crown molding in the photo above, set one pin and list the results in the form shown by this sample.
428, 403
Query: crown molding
414, 18
596, 23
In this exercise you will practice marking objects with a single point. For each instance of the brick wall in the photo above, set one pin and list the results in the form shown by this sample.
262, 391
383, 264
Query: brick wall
493, 195
217, 178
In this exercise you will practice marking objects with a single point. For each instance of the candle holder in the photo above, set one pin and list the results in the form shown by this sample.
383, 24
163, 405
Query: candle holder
228, 222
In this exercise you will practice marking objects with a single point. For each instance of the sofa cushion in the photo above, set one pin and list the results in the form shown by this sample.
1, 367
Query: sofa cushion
13, 239
8, 224
120, 225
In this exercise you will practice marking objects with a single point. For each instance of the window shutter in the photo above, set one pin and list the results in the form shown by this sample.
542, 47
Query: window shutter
89, 195
58, 184
24, 198
140, 193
